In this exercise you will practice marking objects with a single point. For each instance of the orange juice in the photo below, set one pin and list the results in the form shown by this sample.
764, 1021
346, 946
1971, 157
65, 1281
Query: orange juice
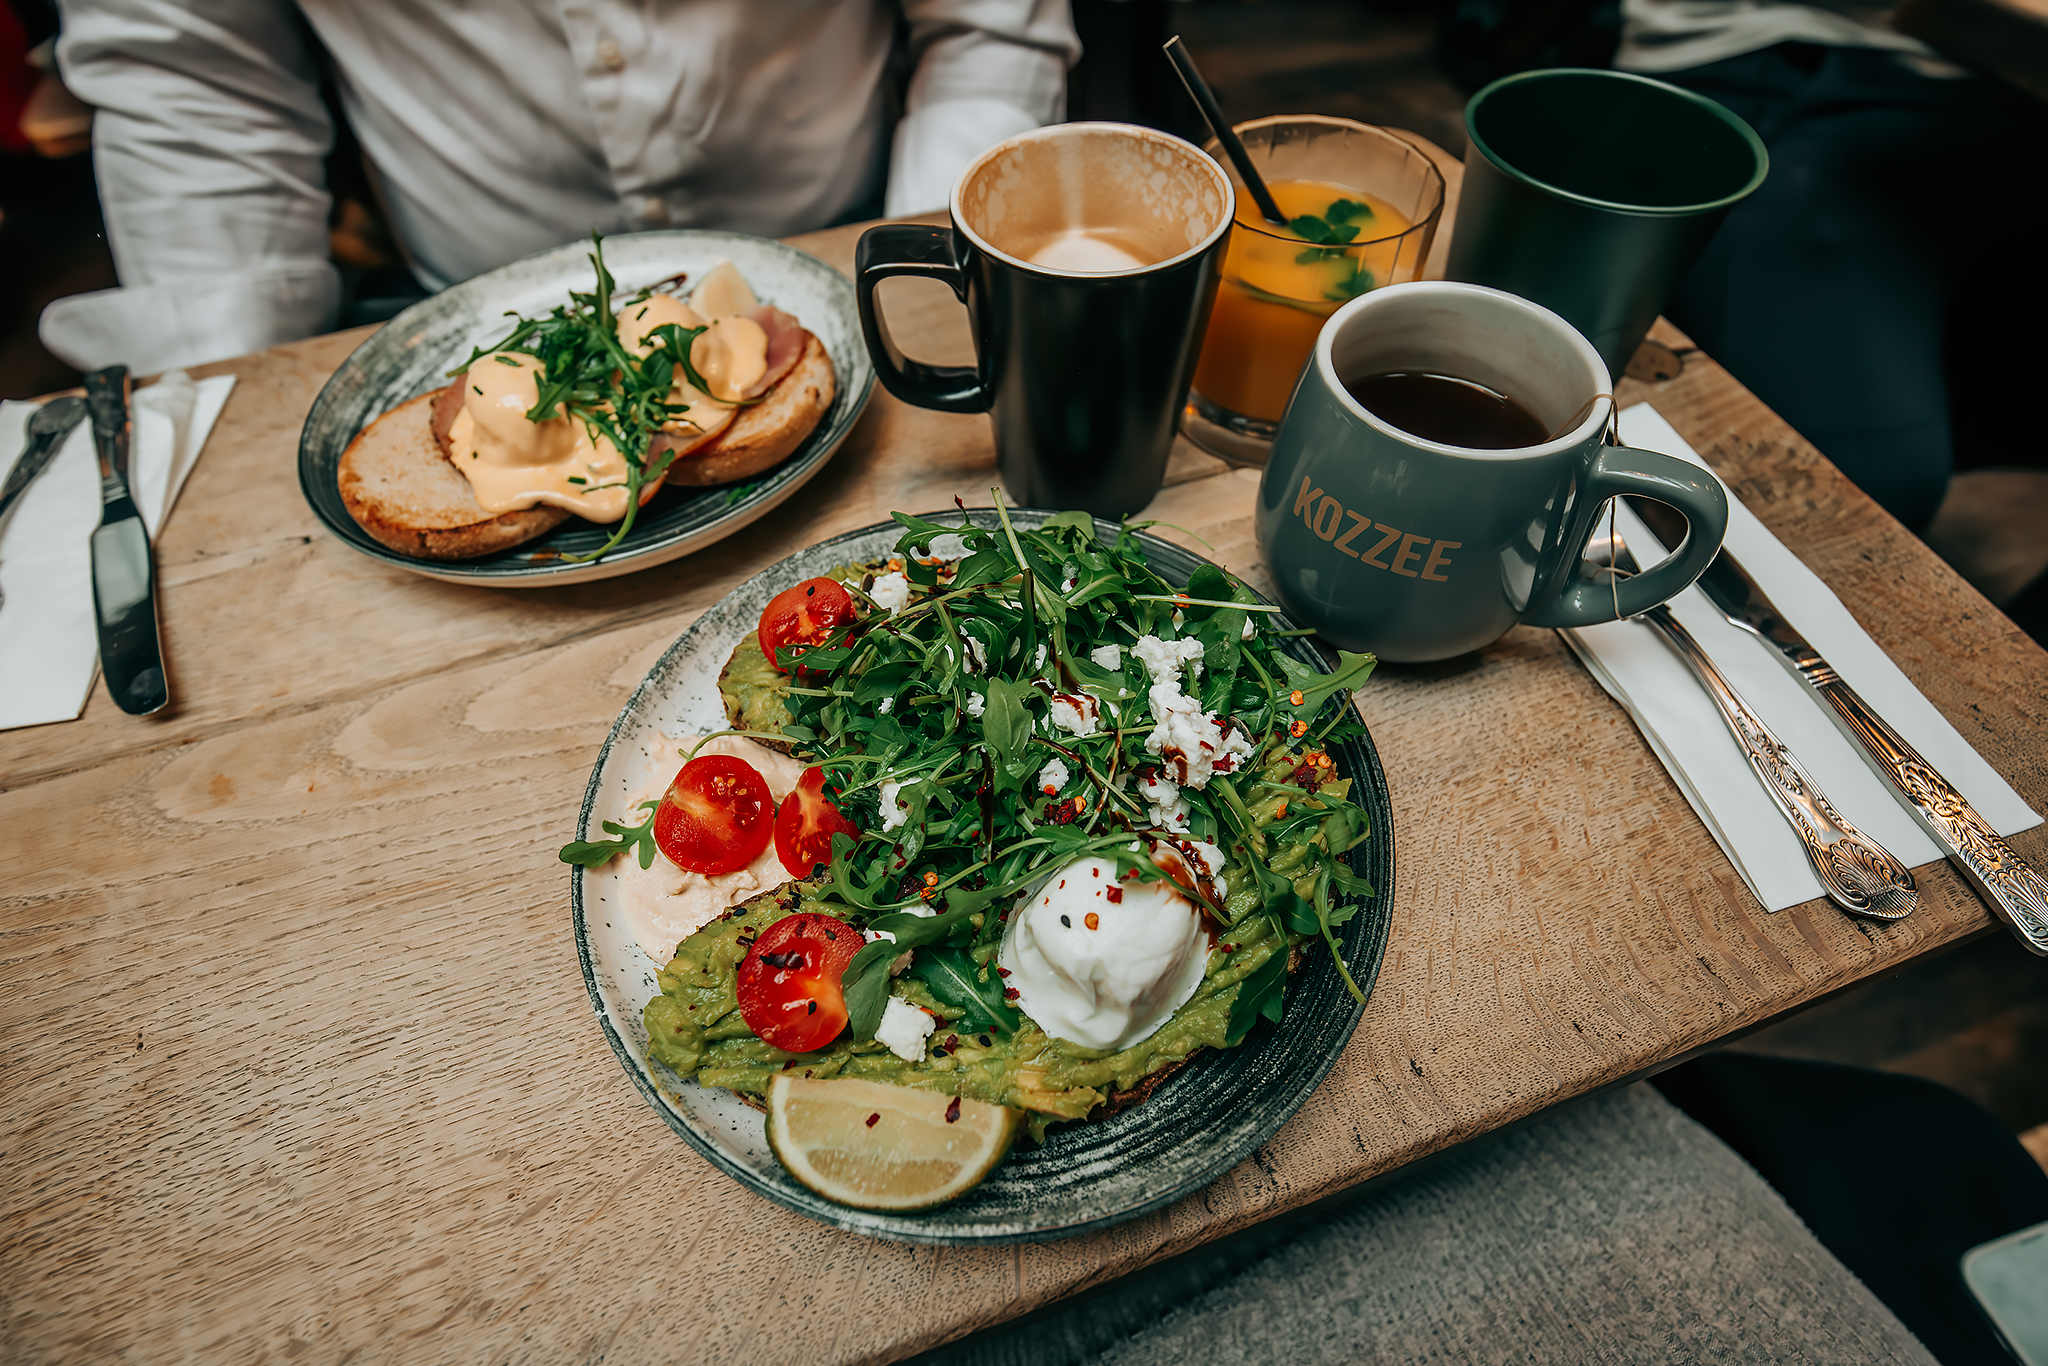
1278, 286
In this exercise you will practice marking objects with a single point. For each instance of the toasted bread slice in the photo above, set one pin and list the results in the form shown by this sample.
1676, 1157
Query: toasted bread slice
767, 432
399, 486
755, 693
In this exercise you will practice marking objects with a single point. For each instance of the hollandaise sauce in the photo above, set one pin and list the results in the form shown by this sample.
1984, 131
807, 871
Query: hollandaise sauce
1280, 284
571, 459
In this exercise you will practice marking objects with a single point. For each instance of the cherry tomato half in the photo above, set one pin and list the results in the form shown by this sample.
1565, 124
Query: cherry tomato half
788, 984
804, 615
716, 816
806, 823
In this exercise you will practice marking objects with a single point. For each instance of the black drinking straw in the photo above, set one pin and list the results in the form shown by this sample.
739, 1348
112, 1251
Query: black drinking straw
1220, 126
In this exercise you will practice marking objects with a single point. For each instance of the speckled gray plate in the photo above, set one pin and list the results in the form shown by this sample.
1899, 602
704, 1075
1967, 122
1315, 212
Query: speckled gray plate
1197, 1126
412, 354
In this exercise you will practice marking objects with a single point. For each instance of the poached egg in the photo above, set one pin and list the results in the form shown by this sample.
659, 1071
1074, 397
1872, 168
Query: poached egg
1102, 962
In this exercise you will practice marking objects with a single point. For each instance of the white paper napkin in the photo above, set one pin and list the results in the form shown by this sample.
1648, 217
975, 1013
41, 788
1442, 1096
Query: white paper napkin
1673, 712
49, 649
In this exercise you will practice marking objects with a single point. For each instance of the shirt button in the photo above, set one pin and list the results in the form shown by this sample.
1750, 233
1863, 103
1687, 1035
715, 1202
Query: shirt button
610, 57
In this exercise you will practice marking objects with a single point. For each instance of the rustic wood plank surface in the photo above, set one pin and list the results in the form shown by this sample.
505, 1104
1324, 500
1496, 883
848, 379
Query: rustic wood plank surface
296, 1061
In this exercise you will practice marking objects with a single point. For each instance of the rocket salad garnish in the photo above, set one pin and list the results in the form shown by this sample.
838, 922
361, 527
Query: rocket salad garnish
1006, 720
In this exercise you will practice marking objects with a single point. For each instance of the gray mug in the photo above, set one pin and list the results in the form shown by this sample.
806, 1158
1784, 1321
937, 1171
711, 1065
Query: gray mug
1417, 550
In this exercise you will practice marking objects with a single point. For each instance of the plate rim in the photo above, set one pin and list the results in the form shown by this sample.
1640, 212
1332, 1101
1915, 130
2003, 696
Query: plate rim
803, 465
904, 1227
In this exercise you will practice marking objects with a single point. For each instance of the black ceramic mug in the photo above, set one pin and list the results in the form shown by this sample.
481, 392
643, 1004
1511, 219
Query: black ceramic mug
1087, 256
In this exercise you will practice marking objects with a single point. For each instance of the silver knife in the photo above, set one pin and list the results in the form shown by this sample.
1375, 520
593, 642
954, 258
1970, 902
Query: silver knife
47, 428
123, 570
2012, 887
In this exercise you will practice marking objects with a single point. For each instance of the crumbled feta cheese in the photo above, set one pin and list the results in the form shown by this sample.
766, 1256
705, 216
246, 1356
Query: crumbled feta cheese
977, 654
1163, 658
1107, 656
1075, 713
1192, 744
1052, 777
888, 704
902, 960
904, 1028
948, 547
1210, 856
1164, 806
891, 591
1071, 575
1249, 630
895, 811
1039, 662
976, 705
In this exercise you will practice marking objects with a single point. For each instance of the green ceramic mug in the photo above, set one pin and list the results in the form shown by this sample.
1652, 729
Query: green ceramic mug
1593, 192
1416, 550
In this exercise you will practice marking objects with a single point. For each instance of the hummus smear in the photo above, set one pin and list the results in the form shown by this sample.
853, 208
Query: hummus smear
664, 904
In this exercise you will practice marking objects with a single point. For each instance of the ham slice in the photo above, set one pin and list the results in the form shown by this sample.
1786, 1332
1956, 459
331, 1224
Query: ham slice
786, 339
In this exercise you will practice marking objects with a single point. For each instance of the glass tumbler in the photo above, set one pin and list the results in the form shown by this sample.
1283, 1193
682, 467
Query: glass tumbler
1279, 286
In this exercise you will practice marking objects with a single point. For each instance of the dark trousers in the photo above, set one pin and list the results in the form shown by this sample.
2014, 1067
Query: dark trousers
1874, 289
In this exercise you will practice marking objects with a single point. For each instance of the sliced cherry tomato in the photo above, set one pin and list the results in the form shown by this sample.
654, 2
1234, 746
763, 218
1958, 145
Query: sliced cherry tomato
717, 815
788, 984
804, 615
805, 824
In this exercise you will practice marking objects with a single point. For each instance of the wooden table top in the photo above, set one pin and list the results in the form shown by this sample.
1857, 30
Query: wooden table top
296, 1061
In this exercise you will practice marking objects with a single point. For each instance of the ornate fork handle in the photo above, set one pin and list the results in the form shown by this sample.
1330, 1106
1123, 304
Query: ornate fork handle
1859, 875
2015, 890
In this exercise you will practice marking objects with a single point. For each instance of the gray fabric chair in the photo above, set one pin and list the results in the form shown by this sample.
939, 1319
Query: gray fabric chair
1614, 1230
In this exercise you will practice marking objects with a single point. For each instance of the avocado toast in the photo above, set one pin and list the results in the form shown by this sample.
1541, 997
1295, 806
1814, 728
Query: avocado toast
942, 701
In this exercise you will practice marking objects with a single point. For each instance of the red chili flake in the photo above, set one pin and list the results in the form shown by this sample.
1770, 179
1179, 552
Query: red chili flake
1002, 972
874, 1117
1095, 872
1009, 993
1063, 882
1228, 948
952, 1041
1115, 895
953, 1110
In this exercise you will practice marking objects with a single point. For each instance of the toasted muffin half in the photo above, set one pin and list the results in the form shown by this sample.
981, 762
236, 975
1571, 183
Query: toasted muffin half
398, 484
768, 432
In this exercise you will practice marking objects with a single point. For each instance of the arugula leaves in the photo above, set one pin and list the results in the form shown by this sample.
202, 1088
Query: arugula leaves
955, 978
634, 839
589, 376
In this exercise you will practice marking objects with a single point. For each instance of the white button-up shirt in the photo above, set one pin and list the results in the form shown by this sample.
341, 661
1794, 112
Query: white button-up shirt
497, 128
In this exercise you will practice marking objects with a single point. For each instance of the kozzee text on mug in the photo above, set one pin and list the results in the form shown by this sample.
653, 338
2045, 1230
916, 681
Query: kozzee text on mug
1325, 516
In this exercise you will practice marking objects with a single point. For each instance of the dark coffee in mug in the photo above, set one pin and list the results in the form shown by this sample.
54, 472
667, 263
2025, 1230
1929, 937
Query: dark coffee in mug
1451, 411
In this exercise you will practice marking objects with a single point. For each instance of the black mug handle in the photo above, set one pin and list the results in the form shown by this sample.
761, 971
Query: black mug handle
911, 249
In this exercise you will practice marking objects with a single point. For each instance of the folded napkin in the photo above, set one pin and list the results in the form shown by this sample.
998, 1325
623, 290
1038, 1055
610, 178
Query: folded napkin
1644, 674
49, 647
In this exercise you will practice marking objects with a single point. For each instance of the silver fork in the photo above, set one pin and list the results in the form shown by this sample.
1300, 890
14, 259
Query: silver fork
1858, 874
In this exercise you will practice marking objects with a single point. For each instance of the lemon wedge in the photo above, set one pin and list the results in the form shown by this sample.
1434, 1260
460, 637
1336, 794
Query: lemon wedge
874, 1146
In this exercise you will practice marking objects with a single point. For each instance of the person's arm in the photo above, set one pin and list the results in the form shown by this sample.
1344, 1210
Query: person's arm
986, 70
209, 142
